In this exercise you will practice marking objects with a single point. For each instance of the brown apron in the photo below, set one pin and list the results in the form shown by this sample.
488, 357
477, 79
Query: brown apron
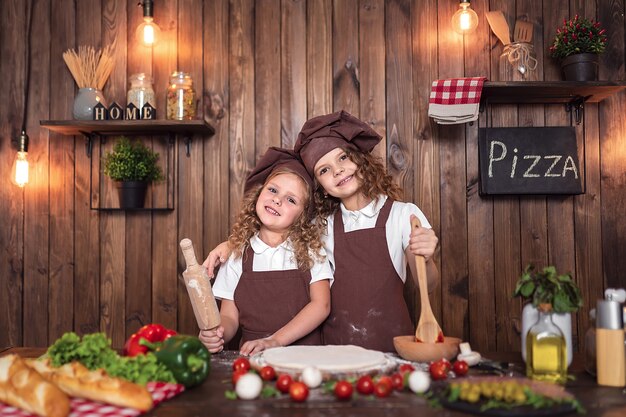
367, 302
267, 300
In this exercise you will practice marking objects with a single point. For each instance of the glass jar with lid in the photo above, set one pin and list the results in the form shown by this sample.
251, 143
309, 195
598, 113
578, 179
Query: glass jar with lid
518, 61
140, 91
181, 97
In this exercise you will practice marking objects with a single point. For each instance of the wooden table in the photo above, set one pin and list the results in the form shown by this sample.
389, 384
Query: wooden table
209, 400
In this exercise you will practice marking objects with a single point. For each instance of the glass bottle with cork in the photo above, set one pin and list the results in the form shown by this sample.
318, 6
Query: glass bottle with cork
181, 100
546, 352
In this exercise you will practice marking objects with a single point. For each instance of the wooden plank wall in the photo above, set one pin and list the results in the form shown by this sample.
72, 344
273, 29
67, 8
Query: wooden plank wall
261, 68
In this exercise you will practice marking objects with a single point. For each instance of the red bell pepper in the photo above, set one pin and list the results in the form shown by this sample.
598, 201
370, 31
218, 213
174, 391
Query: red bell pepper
153, 333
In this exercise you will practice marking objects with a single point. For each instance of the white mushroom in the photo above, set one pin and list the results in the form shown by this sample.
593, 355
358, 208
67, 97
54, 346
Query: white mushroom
468, 355
419, 381
249, 386
312, 377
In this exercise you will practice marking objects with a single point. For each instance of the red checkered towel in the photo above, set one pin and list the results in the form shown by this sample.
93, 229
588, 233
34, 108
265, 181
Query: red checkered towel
160, 391
455, 100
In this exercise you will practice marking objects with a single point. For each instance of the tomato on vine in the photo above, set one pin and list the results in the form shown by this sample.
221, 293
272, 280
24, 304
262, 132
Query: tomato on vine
241, 364
298, 391
397, 382
343, 390
365, 385
283, 383
460, 368
382, 388
268, 373
237, 374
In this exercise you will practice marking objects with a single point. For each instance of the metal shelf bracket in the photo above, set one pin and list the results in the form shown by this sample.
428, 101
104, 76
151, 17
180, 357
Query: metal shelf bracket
89, 144
577, 104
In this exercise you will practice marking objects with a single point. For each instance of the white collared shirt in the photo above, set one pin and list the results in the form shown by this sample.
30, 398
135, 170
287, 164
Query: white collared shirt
266, 258
397, 229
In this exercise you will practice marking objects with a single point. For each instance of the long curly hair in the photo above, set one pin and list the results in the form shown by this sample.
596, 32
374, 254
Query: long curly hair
305, 234
373, 179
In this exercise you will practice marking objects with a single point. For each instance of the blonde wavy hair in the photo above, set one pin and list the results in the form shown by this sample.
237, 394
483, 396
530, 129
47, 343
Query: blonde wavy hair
305, 235
372, 176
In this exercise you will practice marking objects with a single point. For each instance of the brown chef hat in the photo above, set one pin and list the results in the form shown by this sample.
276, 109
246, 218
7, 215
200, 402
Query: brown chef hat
322, 134
276, 158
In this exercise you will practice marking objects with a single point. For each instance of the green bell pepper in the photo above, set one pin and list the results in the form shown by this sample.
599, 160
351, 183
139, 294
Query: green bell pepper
185, 356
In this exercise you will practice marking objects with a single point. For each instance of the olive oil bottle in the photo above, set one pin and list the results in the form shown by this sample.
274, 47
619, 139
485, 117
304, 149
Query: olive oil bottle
546, 352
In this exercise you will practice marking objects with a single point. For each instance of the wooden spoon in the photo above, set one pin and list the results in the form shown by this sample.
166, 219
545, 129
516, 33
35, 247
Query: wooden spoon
428, 329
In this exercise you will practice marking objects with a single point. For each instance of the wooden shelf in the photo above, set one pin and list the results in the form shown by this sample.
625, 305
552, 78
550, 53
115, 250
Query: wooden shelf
546, 92
121, 127
95, 131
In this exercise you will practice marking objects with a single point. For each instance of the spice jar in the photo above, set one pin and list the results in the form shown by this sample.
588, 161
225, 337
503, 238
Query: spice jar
518, 61
140, 91
181, 100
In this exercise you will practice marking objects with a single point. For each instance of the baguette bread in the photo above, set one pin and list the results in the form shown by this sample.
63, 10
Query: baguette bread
77, 381
25, 388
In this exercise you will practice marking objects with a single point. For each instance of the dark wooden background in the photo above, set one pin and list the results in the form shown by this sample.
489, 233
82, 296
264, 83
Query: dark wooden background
261, 68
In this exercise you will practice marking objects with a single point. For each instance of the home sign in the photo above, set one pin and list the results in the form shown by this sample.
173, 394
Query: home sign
529, 160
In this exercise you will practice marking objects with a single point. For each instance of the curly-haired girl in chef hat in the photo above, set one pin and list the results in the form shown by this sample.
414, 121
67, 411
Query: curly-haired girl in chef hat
369, 236
276, 283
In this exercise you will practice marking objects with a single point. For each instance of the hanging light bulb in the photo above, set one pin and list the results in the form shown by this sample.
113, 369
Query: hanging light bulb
465, 20
147, 32
20, 169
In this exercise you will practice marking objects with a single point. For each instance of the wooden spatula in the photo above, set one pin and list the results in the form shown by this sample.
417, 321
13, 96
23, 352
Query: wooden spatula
523, 31
499, 26
428, 329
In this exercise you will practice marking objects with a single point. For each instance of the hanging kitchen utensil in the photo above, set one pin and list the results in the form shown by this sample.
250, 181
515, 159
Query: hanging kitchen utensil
499, 26
523, 31
428, 330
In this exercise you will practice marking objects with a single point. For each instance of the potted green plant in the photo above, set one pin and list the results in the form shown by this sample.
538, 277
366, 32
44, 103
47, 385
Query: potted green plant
577, 45
548, 287
132, 165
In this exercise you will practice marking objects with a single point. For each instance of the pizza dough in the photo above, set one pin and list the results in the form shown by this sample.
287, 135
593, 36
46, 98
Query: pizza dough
330, 358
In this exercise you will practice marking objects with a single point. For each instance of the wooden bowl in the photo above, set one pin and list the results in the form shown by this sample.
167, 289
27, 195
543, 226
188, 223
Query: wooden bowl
409, 349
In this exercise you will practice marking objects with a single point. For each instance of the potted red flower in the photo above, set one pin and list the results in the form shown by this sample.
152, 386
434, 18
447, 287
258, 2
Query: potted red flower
577, 45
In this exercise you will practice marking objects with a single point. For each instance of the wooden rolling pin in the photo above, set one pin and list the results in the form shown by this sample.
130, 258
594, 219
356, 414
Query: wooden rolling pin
199, 289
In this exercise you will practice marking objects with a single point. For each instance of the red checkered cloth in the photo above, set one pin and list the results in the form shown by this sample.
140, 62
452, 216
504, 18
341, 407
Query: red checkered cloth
160, 391
455, 100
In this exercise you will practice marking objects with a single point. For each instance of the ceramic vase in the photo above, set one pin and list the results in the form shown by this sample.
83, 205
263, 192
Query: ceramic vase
85, 101
580, 67
563, 321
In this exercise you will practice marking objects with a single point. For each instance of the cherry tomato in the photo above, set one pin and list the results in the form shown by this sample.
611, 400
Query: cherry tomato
406, 367
283, 383
397, 382
382, 388
385, 380
460, 368
241, 364
237, 374
365, 385
268, 373
438, 370
446, 363
343, 390
298, 391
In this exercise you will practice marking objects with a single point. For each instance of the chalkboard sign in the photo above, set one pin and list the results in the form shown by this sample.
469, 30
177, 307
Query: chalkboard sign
529, 160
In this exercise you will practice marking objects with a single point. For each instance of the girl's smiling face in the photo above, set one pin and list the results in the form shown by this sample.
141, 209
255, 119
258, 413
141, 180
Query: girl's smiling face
281, 201
336, 173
